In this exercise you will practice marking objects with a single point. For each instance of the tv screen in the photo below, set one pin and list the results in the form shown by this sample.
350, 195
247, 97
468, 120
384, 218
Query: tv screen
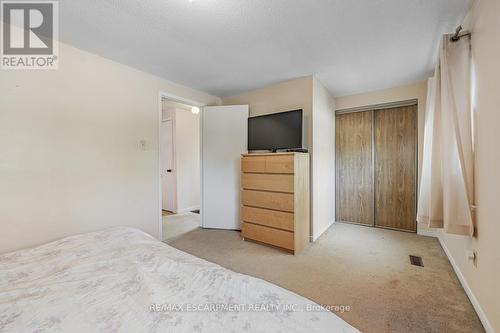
275, 131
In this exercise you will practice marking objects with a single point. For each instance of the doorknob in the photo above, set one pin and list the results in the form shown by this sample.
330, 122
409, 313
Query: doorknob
169, 170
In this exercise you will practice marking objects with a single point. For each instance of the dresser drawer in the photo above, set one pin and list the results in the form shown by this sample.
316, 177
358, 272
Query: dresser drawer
253, 164
279, 164
280, 238
266, 217
271, 200
268, 164
267, 182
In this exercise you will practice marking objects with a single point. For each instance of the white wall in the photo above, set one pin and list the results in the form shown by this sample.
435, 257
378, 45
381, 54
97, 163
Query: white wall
70, 159
323, 163
187, 157
481, 281
167, 112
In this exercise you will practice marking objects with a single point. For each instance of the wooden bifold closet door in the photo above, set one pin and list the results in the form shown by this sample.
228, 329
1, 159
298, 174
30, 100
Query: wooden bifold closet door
376, 167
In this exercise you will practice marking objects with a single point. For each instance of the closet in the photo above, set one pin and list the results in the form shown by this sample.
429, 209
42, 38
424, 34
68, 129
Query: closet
376, 166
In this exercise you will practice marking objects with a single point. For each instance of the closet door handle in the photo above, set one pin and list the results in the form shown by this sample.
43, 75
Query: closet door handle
169, 170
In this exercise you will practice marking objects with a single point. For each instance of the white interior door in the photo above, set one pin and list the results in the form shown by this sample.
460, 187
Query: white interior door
224, 139
167, 166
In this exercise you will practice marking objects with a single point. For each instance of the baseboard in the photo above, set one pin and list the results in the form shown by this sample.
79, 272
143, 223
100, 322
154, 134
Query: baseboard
487, 326
315, 237
427, 232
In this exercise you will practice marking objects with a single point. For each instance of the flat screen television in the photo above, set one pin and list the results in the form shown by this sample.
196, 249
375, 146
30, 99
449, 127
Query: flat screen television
275, 131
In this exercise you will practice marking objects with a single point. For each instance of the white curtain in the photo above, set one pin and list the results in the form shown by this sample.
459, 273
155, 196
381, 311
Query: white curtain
446, 197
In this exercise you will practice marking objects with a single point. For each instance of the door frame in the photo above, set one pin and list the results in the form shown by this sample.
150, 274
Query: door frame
374, 108
174, 98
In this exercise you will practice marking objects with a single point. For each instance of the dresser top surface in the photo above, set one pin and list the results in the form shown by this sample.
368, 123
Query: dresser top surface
273, 154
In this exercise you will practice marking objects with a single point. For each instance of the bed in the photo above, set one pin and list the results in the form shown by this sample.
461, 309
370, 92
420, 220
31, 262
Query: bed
124, 280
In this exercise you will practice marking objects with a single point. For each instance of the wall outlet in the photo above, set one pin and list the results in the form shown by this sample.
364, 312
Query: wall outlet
472, 256
143, 145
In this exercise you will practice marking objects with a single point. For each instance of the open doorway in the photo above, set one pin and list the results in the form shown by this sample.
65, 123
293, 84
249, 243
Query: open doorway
199, 172
180, 168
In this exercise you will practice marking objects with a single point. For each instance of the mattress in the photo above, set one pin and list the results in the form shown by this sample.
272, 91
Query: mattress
124, 280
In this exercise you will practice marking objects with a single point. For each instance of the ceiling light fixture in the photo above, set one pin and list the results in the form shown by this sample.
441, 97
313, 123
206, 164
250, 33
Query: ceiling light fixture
195, 110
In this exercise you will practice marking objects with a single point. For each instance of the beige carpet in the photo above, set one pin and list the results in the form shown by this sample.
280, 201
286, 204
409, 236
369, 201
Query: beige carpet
174, 226
365, 268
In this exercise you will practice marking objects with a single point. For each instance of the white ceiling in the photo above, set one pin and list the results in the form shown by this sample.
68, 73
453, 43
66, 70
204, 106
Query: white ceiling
228, 46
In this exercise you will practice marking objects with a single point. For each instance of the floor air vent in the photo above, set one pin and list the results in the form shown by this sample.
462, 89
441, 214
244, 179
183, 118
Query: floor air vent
416, 261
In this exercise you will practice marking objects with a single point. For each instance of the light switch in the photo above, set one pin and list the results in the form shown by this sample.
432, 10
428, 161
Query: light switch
143, 145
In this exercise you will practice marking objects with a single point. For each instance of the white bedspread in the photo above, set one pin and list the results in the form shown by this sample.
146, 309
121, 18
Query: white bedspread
123, 280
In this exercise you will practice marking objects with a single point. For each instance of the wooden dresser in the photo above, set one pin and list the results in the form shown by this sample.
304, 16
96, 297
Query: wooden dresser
275, 199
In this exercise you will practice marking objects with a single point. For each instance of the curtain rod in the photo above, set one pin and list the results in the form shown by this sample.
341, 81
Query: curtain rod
456, 37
